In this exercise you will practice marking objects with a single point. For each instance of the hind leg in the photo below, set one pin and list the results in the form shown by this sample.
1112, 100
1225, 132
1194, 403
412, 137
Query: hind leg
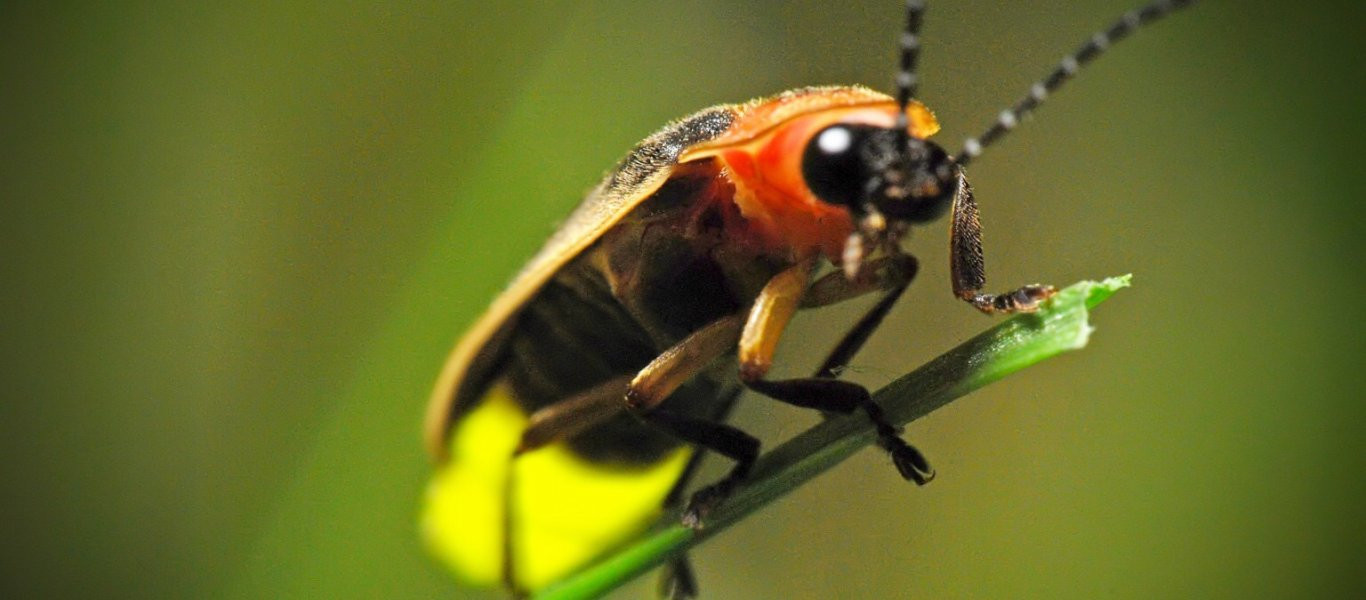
551, 423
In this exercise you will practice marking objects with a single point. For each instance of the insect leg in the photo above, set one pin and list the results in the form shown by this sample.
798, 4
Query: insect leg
676, 580
835, 287
967, 267
824, 392
728, 441
509, 526
575, 414
892, 274
661, 377
769, 316
682, 362
556, 421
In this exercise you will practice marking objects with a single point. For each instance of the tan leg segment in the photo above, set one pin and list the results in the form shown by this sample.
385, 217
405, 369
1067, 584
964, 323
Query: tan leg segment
574, 414
769, 316
682, 362
833, 288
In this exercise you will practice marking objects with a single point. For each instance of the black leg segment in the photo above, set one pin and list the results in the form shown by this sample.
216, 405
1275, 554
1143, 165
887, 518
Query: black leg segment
676, 579
728, 441
903, 269
833, 395
824, 392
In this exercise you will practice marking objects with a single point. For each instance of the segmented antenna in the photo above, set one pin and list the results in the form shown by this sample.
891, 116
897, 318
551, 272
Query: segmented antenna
906, 79
1069, 66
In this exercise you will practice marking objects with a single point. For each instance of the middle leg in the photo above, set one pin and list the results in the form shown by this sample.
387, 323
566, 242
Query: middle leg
823, 392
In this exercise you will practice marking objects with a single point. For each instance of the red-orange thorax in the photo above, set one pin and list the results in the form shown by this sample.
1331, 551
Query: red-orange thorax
761, 156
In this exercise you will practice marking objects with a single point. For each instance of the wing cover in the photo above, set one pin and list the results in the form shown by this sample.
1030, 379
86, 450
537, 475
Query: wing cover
638, 175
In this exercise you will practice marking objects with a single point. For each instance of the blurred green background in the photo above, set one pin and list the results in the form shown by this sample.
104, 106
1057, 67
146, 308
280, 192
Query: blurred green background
238, 241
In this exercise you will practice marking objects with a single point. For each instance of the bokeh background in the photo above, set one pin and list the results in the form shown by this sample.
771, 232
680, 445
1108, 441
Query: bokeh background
239, 239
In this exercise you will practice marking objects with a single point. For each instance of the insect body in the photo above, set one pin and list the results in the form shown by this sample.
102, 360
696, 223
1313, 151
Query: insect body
572, 409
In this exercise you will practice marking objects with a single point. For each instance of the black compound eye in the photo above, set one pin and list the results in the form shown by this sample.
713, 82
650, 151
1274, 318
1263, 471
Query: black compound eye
835, 166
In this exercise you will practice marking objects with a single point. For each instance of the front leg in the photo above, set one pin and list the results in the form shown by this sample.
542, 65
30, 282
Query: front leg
967, 267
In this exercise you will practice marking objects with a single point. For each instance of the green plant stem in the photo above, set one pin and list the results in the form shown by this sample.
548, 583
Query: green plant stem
1023, 340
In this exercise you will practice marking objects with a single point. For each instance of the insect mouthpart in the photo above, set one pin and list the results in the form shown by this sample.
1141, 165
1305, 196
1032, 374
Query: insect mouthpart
917, 185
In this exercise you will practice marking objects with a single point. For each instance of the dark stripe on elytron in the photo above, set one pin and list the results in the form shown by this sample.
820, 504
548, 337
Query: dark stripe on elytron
574, 334
662, 149
579, 330
1068, 68
569, 339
